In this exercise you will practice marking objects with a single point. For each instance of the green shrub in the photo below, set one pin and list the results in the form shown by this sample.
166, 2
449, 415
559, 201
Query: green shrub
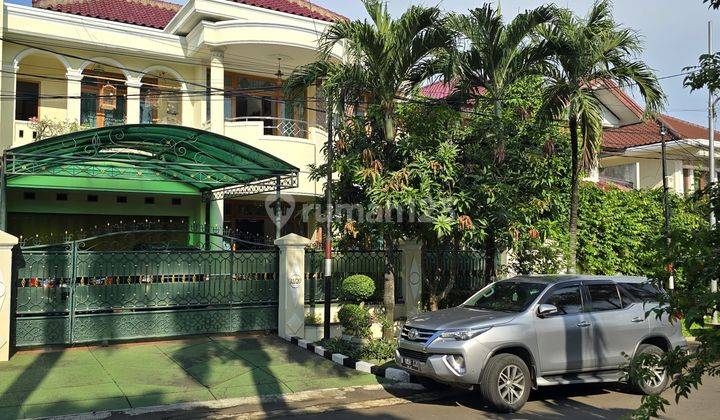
357, 288
313, 319
355, 320
379, 350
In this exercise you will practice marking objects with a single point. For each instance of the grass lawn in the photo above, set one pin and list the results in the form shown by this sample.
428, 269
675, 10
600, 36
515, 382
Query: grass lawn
694, 329
36, 383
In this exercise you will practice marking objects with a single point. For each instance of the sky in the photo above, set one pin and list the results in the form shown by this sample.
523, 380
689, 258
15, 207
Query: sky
674, 32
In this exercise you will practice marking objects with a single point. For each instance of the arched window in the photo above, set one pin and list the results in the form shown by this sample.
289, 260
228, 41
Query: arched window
160, 99
103, 97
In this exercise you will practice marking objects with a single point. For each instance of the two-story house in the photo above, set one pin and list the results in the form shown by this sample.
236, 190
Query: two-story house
213, 65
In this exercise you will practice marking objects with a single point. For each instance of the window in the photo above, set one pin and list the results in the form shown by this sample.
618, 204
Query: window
102, 97
92, 198
27, 100
567, 299
640, 292
509, 296
121, 199
28, 195
176, 201
160, 100
149, 200
61, 197
604, 297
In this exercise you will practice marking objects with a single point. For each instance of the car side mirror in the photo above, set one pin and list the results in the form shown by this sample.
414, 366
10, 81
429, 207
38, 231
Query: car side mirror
546, 309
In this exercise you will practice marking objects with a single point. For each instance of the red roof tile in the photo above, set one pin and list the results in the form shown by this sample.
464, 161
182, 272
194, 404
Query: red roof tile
648, 132
157, 13
296, 7
150, 13
441, 90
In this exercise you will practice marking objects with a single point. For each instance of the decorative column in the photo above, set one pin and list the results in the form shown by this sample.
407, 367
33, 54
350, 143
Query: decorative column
217, 223
291, 307
217, 97
8, 85
7, 242
411, 276
132, 113
74, 90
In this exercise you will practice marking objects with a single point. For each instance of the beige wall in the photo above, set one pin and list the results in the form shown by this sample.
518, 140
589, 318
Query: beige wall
650, 169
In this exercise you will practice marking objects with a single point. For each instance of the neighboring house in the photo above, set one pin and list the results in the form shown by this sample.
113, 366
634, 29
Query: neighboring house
631, 147
214, 65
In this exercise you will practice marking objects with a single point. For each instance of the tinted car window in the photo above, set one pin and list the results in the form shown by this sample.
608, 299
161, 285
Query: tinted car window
604, 297
508, 296
640, 292
567, 299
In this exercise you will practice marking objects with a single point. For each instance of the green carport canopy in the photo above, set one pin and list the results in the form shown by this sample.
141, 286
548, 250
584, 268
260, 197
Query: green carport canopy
216, 166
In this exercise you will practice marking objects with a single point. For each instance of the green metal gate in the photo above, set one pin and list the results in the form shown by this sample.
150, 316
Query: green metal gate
86, 291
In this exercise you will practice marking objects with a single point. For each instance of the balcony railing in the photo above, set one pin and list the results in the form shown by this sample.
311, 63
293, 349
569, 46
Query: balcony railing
275, 126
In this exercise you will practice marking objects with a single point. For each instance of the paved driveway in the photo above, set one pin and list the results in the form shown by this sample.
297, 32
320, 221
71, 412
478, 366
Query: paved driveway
85, 379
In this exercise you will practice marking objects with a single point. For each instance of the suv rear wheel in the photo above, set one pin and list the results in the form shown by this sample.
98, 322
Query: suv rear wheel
506, 383
658, 380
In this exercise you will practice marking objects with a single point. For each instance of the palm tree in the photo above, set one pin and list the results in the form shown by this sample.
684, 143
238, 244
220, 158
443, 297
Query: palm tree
589, 53
386, 58
491, 57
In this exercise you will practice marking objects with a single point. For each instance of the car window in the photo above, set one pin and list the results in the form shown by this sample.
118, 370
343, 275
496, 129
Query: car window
604, 297
506, 295
640, 292
566, 298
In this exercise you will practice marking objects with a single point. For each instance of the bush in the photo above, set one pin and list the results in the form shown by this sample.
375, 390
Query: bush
358, 288
313, 319
356, 320
379, 350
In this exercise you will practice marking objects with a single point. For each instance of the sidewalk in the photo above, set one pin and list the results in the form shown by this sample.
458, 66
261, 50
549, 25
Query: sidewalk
36, 383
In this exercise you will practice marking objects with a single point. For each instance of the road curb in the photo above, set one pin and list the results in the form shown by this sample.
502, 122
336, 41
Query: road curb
359, 365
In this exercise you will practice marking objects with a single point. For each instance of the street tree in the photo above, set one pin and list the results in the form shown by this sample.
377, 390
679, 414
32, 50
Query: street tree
386, 59
489, 58
588, 52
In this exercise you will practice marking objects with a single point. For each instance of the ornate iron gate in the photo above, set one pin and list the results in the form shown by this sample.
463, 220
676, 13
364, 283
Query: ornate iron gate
86, 291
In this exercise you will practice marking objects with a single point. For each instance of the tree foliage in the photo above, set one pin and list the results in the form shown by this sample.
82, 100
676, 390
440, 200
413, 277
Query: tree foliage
694, 253
386, 58
589, 52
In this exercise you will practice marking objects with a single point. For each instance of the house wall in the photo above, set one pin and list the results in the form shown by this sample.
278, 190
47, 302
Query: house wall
247, 38
650, 171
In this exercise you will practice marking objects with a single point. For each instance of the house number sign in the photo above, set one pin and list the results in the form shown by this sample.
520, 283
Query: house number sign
295, 280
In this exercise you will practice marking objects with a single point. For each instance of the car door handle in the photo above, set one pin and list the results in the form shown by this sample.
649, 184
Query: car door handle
583, 324
638, 319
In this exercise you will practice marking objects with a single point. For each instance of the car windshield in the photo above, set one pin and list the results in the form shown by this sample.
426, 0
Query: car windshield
506, 296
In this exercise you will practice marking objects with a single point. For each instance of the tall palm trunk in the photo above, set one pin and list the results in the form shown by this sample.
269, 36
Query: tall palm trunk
574, 193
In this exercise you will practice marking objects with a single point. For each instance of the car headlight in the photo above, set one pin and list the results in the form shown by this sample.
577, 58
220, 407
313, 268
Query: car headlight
463, 334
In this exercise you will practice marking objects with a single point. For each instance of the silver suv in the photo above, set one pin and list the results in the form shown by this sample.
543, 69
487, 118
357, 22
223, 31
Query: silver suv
532, 331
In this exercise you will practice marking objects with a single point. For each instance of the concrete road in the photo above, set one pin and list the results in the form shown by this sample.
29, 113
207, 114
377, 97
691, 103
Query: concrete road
575, 401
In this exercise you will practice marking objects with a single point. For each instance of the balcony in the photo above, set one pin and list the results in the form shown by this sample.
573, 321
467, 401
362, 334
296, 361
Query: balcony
297, 142
268, 126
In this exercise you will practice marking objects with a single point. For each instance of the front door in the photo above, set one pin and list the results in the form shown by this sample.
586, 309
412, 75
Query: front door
564, 339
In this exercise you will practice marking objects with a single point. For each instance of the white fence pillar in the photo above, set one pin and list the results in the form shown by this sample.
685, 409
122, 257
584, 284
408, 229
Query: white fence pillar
411, 276
291, 307
7, 242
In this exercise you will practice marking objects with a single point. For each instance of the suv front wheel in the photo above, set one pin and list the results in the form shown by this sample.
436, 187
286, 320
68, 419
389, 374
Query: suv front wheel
506, 383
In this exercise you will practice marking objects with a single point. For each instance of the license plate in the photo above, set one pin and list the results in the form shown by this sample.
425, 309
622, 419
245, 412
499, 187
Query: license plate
410, 363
